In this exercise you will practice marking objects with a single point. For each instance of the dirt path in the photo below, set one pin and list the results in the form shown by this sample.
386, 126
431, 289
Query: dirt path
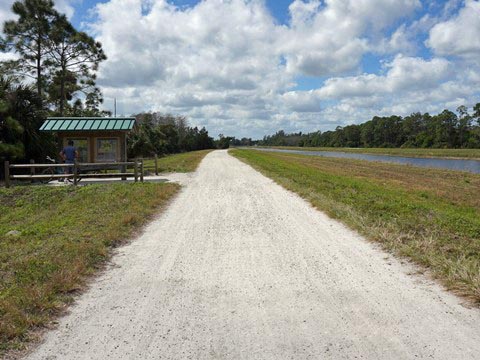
239, 268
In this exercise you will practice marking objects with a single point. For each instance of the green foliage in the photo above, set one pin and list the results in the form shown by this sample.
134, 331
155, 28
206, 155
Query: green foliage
242, 142
11, 146
430, 216
28, 37
10, 132
61, 60
20, 117
445, 130
26, 106
223, 142
62, 239
165, 134
75, 57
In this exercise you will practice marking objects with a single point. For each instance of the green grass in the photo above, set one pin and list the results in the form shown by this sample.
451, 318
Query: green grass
184, 162
429, 216
425, 153
65, 235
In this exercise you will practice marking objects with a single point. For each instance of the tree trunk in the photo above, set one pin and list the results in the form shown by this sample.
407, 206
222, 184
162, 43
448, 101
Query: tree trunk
62, 92
39, 67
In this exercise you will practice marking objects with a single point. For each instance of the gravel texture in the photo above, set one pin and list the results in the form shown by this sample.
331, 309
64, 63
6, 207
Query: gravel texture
239, 268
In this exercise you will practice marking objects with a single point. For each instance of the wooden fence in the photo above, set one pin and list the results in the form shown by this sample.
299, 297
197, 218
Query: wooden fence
149, 167
80, 171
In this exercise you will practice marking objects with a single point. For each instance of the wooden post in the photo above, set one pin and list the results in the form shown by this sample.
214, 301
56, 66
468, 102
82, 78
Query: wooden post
124, 156
123, 169
75, 171
32, 169
7, 174
135, 170
156, 164
141, 170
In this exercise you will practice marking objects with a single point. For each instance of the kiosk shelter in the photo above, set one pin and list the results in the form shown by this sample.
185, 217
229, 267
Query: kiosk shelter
96, 139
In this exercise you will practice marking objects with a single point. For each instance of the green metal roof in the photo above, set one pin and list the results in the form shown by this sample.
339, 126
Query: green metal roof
86, 124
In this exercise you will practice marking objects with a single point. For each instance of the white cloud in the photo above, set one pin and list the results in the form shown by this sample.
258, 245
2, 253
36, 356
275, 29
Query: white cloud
66, 7
404, 74
328, 38
401, 41
8, 56
459, 35
301, 101
6, 12
63, 6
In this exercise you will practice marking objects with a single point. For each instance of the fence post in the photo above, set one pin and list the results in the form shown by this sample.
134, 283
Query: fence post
141, 170
156, 164
123, 169
75, 170
7, 174
135, 170
32, 169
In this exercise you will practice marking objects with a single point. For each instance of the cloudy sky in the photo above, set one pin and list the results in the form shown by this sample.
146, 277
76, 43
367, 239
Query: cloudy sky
252, 67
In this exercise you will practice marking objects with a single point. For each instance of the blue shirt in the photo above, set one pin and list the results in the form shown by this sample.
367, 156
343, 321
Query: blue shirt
69, 152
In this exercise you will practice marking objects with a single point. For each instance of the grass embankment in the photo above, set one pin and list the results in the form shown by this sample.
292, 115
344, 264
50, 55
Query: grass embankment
184, 162
64, 235
423, 153
430, 216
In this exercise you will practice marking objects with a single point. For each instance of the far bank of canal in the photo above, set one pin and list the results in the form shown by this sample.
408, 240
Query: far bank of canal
472, 166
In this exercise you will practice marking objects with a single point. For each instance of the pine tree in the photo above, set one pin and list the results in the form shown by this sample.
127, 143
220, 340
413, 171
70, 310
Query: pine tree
28, 37
72, 54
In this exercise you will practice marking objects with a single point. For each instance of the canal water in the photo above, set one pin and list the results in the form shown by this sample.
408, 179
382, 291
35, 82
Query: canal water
450, 164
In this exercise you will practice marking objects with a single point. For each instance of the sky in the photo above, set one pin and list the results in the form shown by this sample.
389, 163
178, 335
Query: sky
248, 68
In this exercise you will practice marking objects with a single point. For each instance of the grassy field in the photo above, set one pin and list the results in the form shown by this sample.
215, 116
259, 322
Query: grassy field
59, 239
184, 162
426, 153
429, 216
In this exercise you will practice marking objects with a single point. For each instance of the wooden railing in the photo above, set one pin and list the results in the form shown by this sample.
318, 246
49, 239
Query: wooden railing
153, 167
80, 171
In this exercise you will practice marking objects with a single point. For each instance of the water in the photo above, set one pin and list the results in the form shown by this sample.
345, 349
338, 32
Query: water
450, 164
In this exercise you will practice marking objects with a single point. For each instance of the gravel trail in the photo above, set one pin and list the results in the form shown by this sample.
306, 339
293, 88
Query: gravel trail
239, 268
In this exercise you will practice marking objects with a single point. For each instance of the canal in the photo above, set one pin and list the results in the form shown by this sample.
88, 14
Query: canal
440, 163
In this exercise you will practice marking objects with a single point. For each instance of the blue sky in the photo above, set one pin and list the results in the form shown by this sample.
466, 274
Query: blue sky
252, 67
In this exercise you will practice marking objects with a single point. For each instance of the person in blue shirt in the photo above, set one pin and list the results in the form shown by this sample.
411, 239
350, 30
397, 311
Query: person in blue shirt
69, 153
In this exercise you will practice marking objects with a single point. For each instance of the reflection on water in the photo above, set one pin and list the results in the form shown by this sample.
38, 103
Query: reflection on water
450, 164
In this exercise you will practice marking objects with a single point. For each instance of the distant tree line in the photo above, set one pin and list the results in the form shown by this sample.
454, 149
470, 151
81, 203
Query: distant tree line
444, 130
159, 134
242, 142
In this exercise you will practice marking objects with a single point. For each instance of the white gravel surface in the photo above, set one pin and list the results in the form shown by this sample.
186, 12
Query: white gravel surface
239, 268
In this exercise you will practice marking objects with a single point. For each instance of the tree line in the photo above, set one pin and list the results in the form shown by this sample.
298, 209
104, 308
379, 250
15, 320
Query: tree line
444, 130
156, 133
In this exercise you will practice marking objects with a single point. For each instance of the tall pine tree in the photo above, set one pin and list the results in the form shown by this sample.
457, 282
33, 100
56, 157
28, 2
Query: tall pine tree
28, 37
74, 57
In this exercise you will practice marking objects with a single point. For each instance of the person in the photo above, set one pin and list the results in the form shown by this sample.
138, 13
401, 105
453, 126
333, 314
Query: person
69, 154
